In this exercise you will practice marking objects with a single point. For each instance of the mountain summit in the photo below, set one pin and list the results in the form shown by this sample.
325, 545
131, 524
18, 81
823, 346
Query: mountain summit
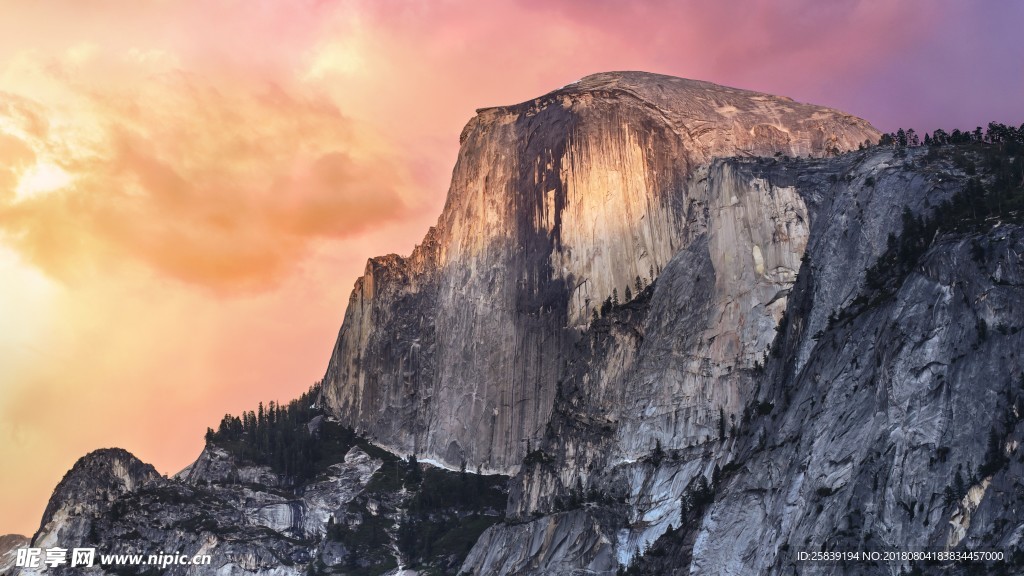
556, 205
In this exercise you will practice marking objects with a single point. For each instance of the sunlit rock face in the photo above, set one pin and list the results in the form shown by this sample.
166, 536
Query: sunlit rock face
455, 352
670, 370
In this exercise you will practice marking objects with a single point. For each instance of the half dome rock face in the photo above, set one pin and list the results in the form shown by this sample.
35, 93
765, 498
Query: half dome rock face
555, 206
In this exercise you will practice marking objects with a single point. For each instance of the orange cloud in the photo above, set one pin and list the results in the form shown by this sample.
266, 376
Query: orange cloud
210, 183
17, 156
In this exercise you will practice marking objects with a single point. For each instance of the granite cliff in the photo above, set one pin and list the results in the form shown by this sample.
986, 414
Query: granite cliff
661, 326
874, 418
454, 353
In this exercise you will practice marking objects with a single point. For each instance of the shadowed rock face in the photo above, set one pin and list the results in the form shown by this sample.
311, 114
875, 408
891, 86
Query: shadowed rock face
87, 490
865, 426
877, 413
9, 544
454, 353
248, 518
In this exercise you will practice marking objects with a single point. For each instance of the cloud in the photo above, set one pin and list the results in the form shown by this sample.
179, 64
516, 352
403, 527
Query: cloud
211, 183
17, 157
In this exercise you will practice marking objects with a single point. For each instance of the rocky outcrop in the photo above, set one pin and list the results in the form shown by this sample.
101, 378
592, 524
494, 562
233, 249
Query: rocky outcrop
362, 511
248, 518
87, 491
557, 204
888, 415
9, 545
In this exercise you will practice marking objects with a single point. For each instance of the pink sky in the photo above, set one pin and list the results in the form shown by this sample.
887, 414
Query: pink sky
188, 189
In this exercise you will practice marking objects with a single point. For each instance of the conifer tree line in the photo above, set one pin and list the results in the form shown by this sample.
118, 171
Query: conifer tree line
640, 284
995, 134
992, 193
280, 436
996, 195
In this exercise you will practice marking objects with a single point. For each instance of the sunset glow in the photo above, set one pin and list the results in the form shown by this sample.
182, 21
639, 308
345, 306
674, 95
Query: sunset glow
40, 179
188, 189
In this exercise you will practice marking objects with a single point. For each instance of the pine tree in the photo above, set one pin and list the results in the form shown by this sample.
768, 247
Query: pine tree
413, 476
949, 497
901, 138
685, 506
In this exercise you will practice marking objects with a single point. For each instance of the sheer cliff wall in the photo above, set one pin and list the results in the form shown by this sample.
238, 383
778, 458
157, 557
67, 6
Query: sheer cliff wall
455, 352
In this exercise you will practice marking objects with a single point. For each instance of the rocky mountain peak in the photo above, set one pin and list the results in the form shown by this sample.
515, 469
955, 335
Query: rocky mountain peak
9, 544
557, 205
722, 120
95, 480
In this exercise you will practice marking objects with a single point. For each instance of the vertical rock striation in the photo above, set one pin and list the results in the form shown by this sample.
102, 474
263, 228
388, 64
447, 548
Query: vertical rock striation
555, 205
869, 421
896, 419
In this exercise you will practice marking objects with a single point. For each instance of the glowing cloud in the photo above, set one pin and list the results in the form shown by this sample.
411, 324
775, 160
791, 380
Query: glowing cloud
213, 184
40, 179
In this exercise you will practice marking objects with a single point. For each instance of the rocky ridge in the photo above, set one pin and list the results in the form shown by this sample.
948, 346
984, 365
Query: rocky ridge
365, 511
